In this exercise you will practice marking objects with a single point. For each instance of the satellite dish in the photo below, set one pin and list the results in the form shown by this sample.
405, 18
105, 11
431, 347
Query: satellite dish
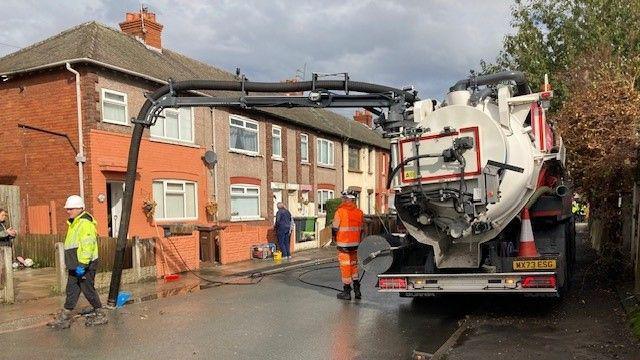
210, 158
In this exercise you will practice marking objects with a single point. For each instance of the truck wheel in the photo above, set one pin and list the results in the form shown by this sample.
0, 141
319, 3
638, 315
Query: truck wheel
569, 256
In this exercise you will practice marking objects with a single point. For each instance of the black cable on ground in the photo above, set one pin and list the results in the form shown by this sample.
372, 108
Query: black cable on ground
260, 276
324, 286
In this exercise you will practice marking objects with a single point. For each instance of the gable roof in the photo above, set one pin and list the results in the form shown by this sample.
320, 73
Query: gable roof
97, 43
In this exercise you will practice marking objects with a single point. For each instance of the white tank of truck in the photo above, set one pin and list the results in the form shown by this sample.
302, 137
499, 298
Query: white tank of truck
463, 177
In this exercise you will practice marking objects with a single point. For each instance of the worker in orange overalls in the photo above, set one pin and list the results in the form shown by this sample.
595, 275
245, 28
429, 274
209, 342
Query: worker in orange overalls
347, 231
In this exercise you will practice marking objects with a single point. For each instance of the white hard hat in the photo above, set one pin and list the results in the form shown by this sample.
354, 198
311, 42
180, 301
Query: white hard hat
74, 202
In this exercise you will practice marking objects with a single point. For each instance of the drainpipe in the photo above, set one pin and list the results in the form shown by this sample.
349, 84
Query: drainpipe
80, 159
213, 144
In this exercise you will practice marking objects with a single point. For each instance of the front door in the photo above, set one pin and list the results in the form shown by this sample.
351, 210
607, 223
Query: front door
277, 197
114, 203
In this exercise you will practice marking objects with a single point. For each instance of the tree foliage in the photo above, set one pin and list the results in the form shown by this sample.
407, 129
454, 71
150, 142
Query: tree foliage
551, 34
599, 125
590, 49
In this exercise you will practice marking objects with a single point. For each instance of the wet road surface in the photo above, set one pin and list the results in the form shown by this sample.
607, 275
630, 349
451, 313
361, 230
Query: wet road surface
280, 318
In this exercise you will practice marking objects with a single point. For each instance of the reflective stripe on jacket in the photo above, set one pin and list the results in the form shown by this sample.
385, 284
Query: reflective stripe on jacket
348, 221
81, 242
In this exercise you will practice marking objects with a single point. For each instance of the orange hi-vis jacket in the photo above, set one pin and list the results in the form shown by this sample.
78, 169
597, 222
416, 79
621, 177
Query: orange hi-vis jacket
348, 221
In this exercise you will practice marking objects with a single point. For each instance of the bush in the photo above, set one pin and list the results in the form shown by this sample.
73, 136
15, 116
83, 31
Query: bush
331, 206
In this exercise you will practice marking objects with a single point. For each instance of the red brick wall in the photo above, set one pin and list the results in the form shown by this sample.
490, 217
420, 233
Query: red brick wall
236, 241
173, 249
42, 164
156, 161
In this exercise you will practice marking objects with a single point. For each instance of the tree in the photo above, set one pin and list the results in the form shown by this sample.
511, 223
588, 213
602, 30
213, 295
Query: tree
591, 51
551, 34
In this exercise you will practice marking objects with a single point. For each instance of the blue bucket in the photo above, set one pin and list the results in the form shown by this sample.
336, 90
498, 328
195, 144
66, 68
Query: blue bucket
123, 297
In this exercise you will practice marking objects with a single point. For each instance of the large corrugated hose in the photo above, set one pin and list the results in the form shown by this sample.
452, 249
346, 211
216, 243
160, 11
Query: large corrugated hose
213, 85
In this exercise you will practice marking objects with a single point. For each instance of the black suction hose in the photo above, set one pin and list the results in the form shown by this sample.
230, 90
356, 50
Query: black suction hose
195, 85
516, 76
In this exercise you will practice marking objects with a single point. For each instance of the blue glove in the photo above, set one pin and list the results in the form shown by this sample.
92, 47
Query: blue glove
80, 271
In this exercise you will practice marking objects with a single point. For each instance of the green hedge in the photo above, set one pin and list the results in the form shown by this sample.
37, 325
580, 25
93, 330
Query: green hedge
331, 206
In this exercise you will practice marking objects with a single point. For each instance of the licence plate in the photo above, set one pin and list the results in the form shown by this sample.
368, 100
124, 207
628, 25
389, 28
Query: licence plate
543, 264
409, 174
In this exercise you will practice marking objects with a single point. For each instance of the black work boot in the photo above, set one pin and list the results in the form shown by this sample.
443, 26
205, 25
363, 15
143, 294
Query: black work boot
97, 317
61, 320
345, 294
356, 289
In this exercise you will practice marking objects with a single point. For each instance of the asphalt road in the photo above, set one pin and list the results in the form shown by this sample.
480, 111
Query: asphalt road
280, 318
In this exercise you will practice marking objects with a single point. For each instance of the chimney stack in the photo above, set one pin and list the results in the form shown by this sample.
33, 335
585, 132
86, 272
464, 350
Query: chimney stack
143, 26
364, 117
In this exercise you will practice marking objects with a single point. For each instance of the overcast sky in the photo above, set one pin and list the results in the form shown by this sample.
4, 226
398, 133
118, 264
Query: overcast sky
429, 44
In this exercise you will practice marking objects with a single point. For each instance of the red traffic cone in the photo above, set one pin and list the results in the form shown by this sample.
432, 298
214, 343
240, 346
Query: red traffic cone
527, 244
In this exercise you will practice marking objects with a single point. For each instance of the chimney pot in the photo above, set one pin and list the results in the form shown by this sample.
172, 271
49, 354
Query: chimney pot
364, 117
143, 26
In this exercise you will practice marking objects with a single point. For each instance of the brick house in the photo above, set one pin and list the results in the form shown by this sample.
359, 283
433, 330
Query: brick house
65, 109
367, 170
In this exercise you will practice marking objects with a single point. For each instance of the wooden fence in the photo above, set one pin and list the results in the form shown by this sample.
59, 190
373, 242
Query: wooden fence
10, 200
41, 248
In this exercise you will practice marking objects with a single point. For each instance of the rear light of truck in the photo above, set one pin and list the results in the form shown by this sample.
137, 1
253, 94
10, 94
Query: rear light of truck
539, 282
392, 283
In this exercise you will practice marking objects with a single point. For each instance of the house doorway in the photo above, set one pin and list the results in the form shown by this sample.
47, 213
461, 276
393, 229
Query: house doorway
115, 194
277, 197
292, 203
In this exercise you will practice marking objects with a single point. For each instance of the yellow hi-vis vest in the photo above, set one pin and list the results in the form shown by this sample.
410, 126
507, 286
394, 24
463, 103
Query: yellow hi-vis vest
81, 241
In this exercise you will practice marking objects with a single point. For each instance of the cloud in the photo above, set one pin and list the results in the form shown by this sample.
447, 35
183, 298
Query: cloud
428, 44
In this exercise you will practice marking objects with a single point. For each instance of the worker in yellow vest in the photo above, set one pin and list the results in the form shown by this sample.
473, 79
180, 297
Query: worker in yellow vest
81, 260
347, 231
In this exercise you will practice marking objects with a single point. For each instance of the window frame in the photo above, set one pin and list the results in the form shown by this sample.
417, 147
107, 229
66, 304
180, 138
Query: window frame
164, 127
330, 194
330, 152
184, 192
124, 103
245, 187
359, 153
304, 160
245, 120
275, 128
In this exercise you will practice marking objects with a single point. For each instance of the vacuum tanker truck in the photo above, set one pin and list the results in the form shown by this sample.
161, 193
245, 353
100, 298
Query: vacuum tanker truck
480, 187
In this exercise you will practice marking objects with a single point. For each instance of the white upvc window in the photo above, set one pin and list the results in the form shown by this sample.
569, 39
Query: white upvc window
176, 124
175, 200
276, 137
323, 196
370, 160
245, 202
114, 107
304, 148
243, 135
325, 152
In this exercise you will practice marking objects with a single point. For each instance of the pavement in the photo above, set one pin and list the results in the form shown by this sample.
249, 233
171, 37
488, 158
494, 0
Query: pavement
36, 302
33, 284
590, 323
